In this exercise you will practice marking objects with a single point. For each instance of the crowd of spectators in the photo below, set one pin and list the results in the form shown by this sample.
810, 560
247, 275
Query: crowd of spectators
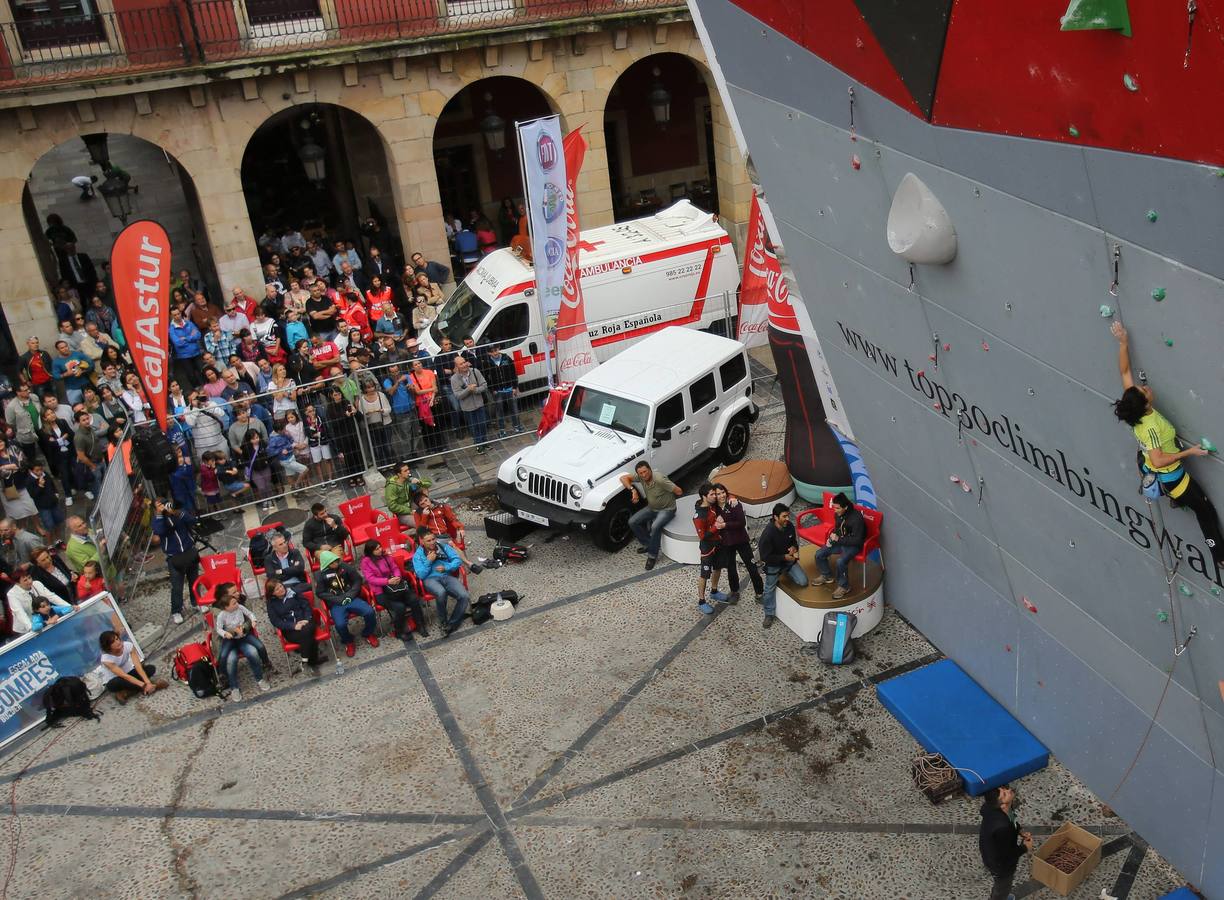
313, 377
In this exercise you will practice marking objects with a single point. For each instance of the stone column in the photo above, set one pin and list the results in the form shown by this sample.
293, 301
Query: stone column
23, 290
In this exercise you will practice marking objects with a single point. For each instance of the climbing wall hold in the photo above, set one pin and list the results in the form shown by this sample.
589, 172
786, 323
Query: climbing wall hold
1131, 85
1159, 294
1007, 647
1106, 311
965, 487
1032, 393
1151, 215
1207, 445
1162, 616
985, 346
1219, 173
1028, 604
1184, 590
1215, 590
947, 347
938, 407
955, 479
1168, 342
855, 162
931, 357
920, 373
1073, 131
1222, 688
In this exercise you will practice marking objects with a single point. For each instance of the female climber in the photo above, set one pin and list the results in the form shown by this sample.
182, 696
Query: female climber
1158, 446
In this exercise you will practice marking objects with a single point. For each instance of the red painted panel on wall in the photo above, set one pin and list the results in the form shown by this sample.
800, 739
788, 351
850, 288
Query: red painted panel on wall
835, 31
1012, 71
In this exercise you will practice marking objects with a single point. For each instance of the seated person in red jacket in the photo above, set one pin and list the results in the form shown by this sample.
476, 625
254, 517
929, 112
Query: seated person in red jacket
440, 518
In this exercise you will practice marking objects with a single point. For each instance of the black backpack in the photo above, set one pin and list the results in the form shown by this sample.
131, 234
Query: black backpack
202, 679
153, 451
65, 698
260, 545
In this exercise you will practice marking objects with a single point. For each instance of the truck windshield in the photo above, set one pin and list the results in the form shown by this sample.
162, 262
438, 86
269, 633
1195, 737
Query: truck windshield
460, 316
591, 405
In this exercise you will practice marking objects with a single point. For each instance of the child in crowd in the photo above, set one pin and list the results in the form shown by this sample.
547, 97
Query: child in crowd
46, 613
210, 486
90, 581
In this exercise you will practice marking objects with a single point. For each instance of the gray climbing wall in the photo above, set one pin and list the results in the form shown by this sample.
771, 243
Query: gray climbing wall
1044, 582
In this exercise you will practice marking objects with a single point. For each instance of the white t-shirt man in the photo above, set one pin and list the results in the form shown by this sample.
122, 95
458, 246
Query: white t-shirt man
123, 660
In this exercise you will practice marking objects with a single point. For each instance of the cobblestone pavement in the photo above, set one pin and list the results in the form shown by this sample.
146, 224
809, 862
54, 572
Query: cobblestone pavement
607, 741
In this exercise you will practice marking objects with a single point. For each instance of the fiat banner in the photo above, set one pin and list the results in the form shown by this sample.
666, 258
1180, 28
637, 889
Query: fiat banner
544, 183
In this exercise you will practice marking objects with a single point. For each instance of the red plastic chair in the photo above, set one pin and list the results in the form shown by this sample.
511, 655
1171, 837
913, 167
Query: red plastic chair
817, 532
390, 534
360, 511
257, 568
215, 570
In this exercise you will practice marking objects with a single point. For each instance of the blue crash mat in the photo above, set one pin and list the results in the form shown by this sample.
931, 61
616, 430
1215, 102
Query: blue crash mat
1182, 893
949, 713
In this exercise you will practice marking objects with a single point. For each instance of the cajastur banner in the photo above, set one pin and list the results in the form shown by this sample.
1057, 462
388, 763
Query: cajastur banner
140, 272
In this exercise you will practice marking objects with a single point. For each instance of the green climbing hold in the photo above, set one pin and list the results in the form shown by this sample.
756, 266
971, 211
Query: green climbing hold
1162, 616
1159, 294
1129, 81
1089, 15
1106, 310
1073, 131
1185, 590
1152, 216
1168, 342
1207, 445
1219, 173
1215, 590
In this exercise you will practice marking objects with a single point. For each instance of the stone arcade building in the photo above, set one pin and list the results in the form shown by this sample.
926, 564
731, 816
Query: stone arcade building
208, 103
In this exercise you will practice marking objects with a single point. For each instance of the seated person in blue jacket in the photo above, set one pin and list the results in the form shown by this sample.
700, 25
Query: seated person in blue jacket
339, 586
437, 565
845, 542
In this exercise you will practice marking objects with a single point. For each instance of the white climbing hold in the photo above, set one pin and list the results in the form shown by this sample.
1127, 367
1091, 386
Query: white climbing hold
954, 479
919, 229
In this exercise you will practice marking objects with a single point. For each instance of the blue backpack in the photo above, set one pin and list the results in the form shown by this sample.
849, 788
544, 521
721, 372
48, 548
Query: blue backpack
834, 645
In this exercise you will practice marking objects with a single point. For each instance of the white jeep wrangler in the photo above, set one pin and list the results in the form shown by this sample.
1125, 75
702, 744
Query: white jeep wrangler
675, 399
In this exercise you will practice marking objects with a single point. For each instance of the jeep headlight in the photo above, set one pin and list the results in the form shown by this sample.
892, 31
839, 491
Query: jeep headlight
576, 491
521, 473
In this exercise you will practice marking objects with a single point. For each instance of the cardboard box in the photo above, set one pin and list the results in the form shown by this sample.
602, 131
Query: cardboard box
1055, 879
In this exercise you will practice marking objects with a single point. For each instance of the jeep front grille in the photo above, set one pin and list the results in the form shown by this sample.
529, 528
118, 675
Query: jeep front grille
547, 488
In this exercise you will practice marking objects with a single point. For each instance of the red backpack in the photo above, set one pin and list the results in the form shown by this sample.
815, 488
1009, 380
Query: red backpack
193, 665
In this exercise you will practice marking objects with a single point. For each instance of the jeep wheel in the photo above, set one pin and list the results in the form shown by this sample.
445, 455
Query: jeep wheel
735, 441
611, 530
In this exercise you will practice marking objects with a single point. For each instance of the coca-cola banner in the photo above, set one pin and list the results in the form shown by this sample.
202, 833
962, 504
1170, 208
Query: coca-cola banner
141, 273
754, 286
574, 354
544, 185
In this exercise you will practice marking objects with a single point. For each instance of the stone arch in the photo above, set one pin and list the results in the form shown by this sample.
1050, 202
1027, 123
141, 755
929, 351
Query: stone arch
160, 187
729, 188
355, 183
473, 173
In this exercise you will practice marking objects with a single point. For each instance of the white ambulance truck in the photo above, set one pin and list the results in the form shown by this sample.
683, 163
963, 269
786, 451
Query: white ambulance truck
638, 277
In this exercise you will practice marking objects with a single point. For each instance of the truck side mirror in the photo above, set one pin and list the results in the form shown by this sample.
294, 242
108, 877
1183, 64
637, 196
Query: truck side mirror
662, 434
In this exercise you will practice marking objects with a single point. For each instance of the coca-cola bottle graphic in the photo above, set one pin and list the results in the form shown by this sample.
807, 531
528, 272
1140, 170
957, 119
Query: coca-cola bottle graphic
813, 453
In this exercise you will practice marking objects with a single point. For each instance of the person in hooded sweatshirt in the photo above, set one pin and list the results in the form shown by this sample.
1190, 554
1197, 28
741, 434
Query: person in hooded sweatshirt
1001, 841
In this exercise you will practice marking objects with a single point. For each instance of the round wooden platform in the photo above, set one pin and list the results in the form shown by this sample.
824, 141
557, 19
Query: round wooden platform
743, 479
802, 609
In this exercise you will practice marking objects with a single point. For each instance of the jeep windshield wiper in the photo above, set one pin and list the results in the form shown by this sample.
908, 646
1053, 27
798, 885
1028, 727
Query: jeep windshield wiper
618, 435
589, 429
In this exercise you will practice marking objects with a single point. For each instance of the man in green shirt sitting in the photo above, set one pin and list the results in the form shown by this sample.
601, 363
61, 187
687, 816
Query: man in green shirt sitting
1158, 444
648, 522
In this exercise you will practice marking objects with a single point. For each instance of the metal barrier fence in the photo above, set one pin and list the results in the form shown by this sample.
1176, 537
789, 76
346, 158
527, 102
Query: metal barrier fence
46, 48
364, 431
121, 520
